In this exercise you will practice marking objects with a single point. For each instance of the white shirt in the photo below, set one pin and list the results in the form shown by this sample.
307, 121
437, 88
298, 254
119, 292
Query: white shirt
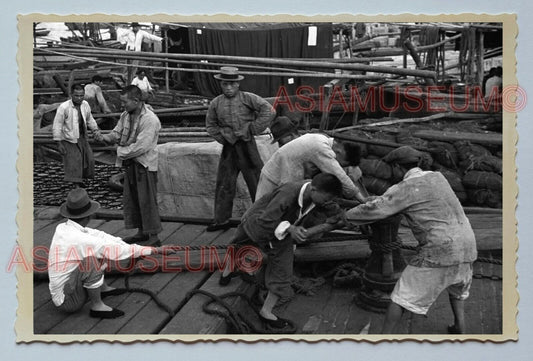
144, 84
66, 121
72, 243
134, 41
281, 230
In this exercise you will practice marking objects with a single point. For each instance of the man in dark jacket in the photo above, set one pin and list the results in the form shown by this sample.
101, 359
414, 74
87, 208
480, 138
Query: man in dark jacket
233, 119
275, 222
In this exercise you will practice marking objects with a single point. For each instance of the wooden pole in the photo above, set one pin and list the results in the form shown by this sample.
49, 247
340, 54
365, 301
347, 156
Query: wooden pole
414, 54
167, 82
270, 61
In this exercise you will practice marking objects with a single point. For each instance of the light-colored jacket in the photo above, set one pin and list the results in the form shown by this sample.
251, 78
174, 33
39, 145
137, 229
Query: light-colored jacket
66, 126
433, 213
287, 163
134, 41
143, 149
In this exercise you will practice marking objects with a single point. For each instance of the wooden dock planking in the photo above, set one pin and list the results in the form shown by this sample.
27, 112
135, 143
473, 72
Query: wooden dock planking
191, 319
174, 286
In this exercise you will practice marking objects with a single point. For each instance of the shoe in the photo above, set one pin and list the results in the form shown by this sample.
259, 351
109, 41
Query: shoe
114, 313
136, 238
216, 226
225, 280
113, 292
279, 323
153, 243
452, 330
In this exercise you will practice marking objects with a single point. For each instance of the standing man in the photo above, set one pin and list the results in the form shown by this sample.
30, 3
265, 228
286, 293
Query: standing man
134, 39
72, 119
233, 119
295, 158
447, 246
136, 133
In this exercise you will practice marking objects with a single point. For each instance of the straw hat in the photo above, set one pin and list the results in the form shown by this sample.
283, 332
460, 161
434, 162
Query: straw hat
229, 73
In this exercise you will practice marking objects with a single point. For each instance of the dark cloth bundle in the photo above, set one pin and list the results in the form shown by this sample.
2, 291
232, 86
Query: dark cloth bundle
482, 180
376, 168
467, 150
375, 185
487, 163
445, 154
485, 197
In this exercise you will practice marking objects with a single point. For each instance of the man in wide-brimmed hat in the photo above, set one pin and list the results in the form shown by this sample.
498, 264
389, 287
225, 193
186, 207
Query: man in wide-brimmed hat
233, 119
77, 259
447, 245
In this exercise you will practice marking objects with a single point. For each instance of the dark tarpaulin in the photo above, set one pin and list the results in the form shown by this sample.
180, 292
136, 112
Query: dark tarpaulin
276, 41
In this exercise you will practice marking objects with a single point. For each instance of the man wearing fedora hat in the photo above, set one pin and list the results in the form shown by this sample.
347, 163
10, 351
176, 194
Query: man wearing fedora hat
233, 119
283, 130
76, 261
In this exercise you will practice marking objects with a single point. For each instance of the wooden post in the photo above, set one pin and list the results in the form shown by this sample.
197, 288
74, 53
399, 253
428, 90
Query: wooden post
167, 83
480, 54
416, 58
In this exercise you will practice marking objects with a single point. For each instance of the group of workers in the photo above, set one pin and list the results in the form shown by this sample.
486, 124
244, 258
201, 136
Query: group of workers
296, 189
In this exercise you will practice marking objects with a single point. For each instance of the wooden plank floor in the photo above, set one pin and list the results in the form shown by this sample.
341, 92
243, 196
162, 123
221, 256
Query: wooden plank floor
329, 310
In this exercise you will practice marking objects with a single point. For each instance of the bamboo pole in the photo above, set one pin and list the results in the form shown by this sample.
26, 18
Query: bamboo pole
282, 74
414, 54
309, 64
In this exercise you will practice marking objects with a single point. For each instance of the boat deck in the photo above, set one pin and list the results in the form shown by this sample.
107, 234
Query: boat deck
328, 310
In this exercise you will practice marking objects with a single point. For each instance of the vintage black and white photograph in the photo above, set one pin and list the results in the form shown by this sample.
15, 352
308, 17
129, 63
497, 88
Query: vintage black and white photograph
284, 179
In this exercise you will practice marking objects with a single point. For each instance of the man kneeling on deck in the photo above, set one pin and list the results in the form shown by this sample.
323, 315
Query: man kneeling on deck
76, 261
447, 246
277, 220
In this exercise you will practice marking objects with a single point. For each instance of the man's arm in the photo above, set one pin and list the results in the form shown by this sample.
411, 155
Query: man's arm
211, 124
393, 201
148, 132
147, 35
265, 113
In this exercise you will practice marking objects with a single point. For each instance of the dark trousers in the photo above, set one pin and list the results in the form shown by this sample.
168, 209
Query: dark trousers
239, 157
140, 199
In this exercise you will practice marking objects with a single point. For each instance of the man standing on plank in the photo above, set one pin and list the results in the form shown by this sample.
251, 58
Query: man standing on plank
72, 119
233, 119
136, 134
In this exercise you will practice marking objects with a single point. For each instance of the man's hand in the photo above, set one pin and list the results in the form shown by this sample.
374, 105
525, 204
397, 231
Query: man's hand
298, 234
61, 148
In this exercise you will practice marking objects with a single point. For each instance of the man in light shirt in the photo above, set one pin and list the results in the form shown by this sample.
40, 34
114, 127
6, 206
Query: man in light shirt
294, 159
136, 134
72, 119
447, 245
79, 255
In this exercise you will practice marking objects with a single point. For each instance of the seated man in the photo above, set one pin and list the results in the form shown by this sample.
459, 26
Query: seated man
447, 246
277, 220
77, 258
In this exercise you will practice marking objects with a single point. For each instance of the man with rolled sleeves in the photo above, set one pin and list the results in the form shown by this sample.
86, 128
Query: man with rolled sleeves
233, 119
136, 134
